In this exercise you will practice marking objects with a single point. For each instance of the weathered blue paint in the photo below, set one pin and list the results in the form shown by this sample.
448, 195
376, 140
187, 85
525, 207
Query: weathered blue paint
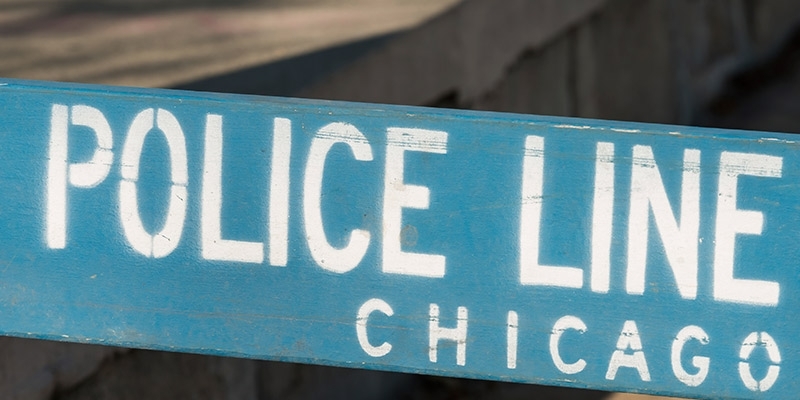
99, 288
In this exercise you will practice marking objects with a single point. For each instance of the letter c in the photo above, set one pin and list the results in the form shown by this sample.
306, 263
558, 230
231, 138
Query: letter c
361, 327
564, 323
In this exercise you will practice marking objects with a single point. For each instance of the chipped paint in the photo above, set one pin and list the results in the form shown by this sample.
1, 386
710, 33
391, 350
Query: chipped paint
567, 126
483, 245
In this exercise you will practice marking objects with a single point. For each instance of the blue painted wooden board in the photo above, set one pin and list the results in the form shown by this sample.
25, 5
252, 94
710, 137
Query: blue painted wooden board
598, 254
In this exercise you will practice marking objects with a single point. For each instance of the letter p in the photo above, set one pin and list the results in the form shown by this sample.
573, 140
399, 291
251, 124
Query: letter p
84, 175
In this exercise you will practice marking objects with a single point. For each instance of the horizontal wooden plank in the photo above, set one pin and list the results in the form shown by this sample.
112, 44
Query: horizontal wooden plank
610, 255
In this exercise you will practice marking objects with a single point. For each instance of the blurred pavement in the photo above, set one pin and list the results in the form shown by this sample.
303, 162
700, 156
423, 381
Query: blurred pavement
154, 43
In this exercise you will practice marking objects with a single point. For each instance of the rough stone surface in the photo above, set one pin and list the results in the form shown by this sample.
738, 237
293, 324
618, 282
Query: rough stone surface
771, 21
542, 82
35, 369
600, 68
765, 97
438, 388
288, 381
625, 81
465, 51
161, 375
156, 375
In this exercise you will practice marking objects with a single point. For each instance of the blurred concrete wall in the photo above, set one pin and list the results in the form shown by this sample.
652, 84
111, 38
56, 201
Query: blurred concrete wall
642, 60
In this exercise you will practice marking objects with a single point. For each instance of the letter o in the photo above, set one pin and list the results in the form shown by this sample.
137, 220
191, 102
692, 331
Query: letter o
748, 345
162, 243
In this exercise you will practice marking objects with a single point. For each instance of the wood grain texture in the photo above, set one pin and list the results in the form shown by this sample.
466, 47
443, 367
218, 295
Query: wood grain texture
583, 253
